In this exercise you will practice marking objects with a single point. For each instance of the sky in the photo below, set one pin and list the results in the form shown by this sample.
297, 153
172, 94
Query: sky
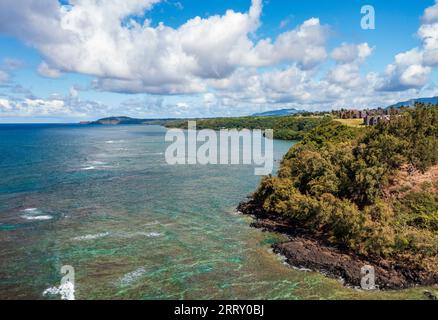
72, 60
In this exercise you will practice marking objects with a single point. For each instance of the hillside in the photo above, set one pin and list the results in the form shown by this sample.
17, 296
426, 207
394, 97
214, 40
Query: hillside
412, 102
278, 113
369, 194
127, 120
285, 128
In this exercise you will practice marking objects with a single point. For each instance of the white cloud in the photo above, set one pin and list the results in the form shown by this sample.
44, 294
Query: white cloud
100, 39
349, 58
279, 88
415, 76
406, 72
345, 74
182, 105
215, 59
32, 107
52, 107
429, 35
412, 69
5, 105
349, 53
304, 45
431, 14
46, 71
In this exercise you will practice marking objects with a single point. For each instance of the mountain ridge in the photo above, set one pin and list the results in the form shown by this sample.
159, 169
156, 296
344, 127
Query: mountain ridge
412, 102
278, 113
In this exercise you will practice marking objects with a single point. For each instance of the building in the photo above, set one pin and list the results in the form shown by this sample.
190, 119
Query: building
376, 119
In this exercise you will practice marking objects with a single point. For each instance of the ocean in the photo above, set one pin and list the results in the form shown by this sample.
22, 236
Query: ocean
103, 200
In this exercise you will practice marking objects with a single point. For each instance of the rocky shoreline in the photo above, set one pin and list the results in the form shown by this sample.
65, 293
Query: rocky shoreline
304, 250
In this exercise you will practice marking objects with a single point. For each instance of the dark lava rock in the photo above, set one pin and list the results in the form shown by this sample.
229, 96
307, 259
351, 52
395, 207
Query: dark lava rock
309, 254
305, 250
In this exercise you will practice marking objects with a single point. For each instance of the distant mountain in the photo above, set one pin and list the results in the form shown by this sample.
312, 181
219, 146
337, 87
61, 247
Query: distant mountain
127, 120
278, 113
411, 103
118, 120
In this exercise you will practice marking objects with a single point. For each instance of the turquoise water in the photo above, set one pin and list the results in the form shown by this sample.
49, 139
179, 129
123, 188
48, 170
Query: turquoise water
103, 200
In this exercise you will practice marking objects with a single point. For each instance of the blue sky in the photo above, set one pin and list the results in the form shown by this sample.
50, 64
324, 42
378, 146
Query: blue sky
81, 59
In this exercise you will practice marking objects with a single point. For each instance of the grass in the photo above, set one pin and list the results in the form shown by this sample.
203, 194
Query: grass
356, 123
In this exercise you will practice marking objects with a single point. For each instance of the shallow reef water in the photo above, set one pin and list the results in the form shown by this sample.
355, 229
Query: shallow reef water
103, 200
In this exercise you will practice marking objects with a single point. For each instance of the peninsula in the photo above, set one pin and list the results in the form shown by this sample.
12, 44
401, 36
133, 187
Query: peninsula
348, 197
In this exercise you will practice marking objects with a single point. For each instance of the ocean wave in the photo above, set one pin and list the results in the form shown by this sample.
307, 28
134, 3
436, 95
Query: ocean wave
97, 168
142, 234
41, 218
97, 163
133, 276
35, 214
154, 223
138, 234
31, 210
88, 168
65, 290
92, 236
153, 234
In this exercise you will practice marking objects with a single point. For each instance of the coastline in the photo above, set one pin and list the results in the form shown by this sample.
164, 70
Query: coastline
306, 251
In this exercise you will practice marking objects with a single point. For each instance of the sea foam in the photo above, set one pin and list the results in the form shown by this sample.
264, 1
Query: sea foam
43, 217
88, 168
132, 276
92, 236
65, 290
35, 214
153, 234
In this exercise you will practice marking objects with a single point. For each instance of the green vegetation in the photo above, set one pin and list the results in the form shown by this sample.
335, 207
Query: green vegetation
285, 128
335, 184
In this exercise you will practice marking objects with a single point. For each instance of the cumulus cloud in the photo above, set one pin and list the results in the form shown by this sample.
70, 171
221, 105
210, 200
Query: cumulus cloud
304, 45
406, 72
5, 105
349, 53
215, 59
428, 33
32, 107
46, 71
412, 69
101, 39
349, 58
280, 88
292, 87
431, 14
345, 74
54, 106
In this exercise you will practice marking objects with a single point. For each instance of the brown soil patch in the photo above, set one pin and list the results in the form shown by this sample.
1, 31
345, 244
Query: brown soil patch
409, 179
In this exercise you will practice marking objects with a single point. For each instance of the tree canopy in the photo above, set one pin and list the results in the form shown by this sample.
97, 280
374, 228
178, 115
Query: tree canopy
334, 183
